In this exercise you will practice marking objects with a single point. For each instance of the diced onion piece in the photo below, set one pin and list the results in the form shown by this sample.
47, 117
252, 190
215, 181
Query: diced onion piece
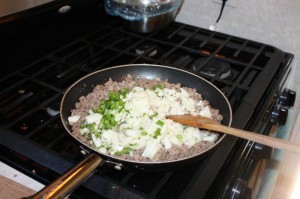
93, 118
206, 112
107, 135
102, 150
167, 143
139, 144
184, 93
117, 147
84, 130
73, 118
210, 138
175, 140
190, 139
132, 133
152, 147
97, 141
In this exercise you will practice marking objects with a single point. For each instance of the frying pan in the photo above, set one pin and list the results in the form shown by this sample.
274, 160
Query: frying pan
69, 181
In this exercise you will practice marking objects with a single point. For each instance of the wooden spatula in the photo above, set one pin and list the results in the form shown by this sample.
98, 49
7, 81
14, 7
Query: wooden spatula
209, 124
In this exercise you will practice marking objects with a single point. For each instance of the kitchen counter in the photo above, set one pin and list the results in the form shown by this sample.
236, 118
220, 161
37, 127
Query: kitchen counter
14, 184
10, 189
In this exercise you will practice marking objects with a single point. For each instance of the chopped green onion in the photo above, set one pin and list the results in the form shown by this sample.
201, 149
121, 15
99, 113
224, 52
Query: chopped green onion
82, 126
108, 121
158, 86
154, 115
124, 92
97, 134
126, 150
179, 137
114, 102
108, 106
156, 133
91, 127
160, 123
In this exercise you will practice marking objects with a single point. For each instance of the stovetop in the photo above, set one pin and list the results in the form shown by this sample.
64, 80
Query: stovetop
39, 65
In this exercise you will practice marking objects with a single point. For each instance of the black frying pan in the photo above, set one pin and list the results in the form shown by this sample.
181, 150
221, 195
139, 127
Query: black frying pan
86, 84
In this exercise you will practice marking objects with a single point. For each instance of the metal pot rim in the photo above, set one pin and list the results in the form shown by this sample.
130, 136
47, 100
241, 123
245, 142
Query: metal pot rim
145, 3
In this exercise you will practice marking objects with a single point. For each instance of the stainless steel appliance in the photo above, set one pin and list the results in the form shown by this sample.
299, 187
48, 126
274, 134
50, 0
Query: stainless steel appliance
143, 15
42, 53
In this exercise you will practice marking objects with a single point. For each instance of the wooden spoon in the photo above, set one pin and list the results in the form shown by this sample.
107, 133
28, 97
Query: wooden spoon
209, 124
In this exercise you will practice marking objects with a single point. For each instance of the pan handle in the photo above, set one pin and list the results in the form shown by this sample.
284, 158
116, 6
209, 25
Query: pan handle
67, 183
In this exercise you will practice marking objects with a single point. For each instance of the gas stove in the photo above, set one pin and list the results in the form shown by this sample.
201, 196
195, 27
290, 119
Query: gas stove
40, 62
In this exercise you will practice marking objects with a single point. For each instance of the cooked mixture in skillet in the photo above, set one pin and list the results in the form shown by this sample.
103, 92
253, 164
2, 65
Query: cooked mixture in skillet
127, 119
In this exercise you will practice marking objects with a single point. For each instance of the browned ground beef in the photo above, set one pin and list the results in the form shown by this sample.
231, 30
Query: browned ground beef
100, 92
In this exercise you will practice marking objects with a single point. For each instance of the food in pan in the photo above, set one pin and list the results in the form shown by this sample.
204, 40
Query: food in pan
127, 119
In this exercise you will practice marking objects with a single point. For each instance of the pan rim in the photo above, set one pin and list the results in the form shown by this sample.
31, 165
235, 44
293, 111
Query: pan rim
107, 156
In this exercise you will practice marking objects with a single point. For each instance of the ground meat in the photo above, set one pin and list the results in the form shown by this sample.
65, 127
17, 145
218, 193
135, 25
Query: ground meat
100, 92
175, 153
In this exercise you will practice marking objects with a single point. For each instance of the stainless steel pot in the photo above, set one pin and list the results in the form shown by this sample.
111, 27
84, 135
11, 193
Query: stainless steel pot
151, 24
144, 15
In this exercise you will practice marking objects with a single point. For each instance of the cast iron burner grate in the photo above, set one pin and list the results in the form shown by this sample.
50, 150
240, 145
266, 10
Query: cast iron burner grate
35, 142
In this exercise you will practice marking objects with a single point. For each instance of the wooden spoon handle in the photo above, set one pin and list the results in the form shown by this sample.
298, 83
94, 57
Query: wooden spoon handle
259, 138
209, 124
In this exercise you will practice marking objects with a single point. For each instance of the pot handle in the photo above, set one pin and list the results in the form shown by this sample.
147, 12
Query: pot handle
67, 183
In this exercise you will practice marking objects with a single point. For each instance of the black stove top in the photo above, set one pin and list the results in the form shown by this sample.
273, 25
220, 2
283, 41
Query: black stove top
40, 64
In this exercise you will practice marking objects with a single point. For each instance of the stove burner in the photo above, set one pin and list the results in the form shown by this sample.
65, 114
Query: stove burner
149, 48
213, 67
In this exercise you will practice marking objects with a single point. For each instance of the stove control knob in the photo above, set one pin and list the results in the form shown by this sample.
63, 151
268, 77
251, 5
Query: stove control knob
240, 190
287, 97
279, 114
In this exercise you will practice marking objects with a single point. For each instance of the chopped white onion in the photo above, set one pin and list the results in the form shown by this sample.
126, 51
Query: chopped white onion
137, 126
206, 112
74, 118
166, 142
93, 118
152, 147
97, 141
211, 138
